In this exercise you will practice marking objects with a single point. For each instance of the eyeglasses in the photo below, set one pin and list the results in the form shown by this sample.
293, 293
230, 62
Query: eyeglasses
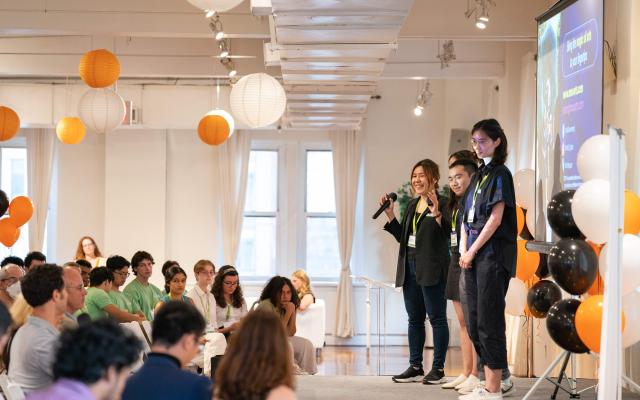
11, 280
230, 283
78, 287
207, 273
481, 142
125, 274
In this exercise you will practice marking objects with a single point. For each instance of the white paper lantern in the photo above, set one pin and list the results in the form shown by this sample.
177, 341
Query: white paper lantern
215, 5
101, 110
258, 100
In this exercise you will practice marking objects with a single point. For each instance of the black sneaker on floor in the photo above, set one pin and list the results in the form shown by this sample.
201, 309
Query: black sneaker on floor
434, 377
410, 375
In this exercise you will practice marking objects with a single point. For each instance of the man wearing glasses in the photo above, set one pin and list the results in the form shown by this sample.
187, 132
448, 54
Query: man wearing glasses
76, 293
143, 295
10, 276
119, 266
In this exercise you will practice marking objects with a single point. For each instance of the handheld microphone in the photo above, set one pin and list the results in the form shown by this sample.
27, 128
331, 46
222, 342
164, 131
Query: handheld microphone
390, 196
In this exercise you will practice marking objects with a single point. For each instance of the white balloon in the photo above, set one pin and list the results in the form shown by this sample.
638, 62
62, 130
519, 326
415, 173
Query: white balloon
631, 333
101, 110
630, 265
530, 219
593, 158
516, 298
525, 186
215, 5
258, 100
590, 209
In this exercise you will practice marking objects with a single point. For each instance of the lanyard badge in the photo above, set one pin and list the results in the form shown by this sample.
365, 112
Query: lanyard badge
472, 212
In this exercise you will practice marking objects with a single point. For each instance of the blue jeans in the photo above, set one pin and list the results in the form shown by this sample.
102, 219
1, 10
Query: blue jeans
422, 301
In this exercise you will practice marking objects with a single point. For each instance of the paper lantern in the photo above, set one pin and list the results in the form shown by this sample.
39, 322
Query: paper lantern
258, 100
216, 127
101, 110
9, 123
99, 68
70, 130
215, 5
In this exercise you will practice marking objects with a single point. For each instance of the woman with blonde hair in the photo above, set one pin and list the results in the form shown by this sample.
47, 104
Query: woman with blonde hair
302, 284
256, 365
88, 250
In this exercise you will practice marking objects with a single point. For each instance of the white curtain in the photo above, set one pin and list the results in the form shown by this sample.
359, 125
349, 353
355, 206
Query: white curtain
232, 163
40, 144
527, 124
346, 164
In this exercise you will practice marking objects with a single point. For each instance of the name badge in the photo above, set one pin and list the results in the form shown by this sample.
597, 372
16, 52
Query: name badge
412, 241
454, 239
471, 215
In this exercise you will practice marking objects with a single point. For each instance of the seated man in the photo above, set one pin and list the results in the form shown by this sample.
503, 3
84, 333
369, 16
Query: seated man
143, 295
92, 362
76, 291
33, 346
85, 270
34, 259
98, 304
119, 267
10, 276
175, 333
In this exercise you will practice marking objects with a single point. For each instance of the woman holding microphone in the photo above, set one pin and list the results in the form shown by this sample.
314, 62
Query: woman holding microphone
423, 260
488, 253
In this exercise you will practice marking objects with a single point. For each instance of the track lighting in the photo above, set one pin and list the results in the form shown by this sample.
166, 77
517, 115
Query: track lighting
224, 48
209, 13
481, 11
448, 53
216, 27
230, 66
423, 99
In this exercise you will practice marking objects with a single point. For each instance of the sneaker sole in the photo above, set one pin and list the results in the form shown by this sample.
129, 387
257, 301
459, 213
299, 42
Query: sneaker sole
510, 392
408, 380
438, 382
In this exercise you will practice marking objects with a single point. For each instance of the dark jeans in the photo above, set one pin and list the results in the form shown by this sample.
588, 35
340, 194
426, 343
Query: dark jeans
422, 301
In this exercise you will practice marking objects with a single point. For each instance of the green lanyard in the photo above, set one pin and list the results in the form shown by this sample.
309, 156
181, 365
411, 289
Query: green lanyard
475, 192
415, 221
228, 311
454, 220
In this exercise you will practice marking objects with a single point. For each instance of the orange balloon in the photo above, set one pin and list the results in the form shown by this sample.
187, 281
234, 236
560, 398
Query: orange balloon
519, 219
9, 232
70, 130
631, 213
589, 322
9, 123
213, 129
527, 262
598, 286
20, 210
532, 281
527, 312
596, 247
99, 68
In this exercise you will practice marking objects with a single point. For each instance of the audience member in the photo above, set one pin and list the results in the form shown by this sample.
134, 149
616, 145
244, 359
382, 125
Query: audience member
230, 304
98, 304
88, 250
168, 264
19, 311
279, 296
175, 334
76, 293
32, 348
85, 270
302, 284
253, 354
10, 276
93, 362
143, 295
175, 282
5, 326
119, 267
34, 259
12, 260
203, 299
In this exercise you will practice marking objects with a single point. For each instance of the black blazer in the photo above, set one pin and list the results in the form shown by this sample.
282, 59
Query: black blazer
432, 245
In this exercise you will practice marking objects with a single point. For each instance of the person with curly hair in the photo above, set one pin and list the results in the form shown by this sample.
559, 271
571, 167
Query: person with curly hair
264, 358
92, 362
230, 304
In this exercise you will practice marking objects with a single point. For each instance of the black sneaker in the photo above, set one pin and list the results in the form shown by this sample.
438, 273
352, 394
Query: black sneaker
410, 375
434, 377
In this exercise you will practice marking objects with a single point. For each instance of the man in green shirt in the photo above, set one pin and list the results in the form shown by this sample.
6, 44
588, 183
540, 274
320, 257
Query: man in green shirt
143, 295
119, 267
98, 304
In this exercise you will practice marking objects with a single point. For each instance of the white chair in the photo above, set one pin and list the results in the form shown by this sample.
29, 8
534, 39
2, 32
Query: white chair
311, 324
11, 390
143, 331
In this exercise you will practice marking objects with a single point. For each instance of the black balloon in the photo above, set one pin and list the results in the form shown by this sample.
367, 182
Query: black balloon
560, 217
542, 296
573, 265
561, 324
543, 267
4, 203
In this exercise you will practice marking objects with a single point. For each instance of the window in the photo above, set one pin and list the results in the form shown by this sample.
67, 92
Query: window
257, 252
322, 254
13, 180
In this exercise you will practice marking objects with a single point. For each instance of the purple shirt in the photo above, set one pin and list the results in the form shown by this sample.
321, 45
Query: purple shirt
66, 389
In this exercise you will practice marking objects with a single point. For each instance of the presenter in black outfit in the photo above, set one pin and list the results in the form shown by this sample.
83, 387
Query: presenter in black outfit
488, 252
423, 259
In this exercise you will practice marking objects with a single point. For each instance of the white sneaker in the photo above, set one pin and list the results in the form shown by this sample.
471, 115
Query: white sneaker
468, 385
481, 394
452, 384
508, 388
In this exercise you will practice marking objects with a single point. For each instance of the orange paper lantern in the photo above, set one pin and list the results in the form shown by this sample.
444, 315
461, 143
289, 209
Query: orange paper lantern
70, 130
214, 129
9, 232
527, 262
99, 68
519, 219
9, 123
631, 213
20, 210
589, 322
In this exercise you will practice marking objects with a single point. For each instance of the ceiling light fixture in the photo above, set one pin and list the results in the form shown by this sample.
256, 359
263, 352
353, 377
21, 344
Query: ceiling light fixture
224, 48
481, 12
448, 53
209, 13
230, 66
423, 99
216, 27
